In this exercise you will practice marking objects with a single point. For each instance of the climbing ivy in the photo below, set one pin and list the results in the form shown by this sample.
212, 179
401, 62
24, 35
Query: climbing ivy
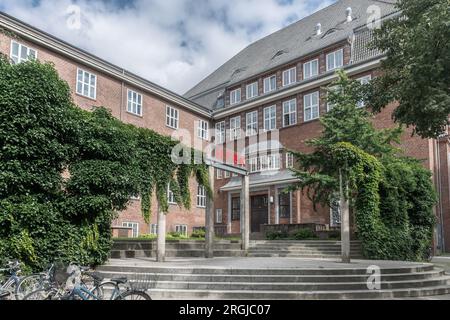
65, 173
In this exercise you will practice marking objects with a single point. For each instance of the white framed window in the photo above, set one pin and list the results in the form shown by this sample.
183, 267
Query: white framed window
134, 227
181, 229
270, 84
172, 117
251, 124
289, 76
227, 174
270, 118
289, 160
201, 197
219, 216
202, 129
220, 132
311, 69
363, 81
235, 128
252, 90
153, 229
311, 103
335, 59
265, 163
235, 96
134, 103
330, 105
219, 174
86, 84
21, 53
289, 113
170, 197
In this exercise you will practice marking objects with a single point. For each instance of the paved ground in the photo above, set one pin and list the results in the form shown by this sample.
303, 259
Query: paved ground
258, 263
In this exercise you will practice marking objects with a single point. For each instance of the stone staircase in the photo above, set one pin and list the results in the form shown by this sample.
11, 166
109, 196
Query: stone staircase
302, 249
129, 249
328, 280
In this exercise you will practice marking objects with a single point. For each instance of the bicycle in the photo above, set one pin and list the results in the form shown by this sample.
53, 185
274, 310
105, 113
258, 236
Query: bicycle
34, 282
11, 283
136, 289
71, 283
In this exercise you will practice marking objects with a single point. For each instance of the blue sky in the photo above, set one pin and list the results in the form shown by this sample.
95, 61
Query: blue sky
174, 43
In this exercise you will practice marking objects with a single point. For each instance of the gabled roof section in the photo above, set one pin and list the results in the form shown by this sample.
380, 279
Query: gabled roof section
293, 42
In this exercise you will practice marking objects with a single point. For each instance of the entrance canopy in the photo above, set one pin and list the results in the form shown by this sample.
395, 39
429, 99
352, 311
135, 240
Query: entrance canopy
262, 180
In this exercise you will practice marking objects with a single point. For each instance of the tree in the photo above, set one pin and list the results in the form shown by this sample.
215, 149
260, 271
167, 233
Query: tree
391, 196
416, 72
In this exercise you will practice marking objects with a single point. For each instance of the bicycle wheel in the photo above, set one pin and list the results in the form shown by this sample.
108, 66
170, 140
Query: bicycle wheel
28, 285
134, 295
40, 295
10, 287
106, 291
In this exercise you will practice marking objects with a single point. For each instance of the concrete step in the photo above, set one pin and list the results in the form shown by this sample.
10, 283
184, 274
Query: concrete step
173, 246
278, 278
275, 254
175, 294
288, 286
171, 253
260, 272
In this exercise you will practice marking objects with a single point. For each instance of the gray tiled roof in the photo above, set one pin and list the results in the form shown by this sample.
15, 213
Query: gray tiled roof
295, 41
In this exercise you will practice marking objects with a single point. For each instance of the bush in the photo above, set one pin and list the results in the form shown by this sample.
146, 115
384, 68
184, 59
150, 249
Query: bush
277, 235
200, 234
305, 234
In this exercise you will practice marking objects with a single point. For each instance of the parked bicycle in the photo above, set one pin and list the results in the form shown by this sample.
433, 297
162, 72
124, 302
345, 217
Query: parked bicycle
78, 283
10, 282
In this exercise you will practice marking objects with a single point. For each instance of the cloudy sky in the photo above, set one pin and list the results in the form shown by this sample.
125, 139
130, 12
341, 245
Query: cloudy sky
174, 43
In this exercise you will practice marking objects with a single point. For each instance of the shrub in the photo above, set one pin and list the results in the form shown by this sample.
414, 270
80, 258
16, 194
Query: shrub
277, 235
305, 234
199, 234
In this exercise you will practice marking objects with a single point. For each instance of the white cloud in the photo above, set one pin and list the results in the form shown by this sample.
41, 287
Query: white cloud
174, 43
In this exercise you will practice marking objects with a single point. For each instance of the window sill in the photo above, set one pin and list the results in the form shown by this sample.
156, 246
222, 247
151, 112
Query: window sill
290, 126
134, 114
312, 120
85, 97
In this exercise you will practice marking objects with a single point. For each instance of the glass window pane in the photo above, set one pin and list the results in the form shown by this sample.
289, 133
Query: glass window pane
15, 49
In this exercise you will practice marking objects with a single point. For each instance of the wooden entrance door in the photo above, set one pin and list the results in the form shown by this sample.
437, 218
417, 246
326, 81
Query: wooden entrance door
259, 211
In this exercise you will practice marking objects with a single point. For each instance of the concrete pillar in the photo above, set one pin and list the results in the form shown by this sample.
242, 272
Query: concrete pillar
277, 208
161, 242
209, 237
245, 212
345, 221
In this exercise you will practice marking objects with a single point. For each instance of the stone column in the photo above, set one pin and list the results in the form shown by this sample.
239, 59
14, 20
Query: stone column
161, 242
245, 212
209, 236
345, 221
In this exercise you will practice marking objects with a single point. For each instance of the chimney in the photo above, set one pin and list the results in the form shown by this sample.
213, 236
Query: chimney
318, 29
349, 12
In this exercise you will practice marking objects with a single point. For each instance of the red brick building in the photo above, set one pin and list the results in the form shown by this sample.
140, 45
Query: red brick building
271, 91
275, 86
